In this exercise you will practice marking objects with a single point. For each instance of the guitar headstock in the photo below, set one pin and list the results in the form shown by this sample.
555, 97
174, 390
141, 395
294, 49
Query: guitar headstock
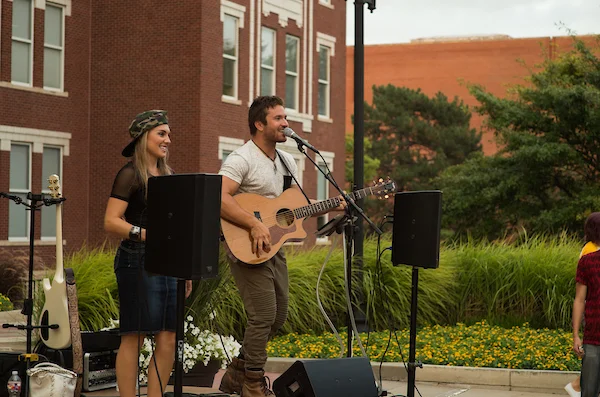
384, 188
54, 185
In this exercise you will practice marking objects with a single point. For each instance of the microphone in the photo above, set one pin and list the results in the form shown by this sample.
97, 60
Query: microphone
291, 134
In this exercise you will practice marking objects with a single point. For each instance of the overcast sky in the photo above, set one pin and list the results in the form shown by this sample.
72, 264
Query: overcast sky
399, 21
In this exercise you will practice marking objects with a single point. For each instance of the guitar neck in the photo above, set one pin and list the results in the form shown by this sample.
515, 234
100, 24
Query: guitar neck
325, 205
59, 275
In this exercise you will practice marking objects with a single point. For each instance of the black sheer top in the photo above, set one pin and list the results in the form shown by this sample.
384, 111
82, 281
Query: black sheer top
128, 188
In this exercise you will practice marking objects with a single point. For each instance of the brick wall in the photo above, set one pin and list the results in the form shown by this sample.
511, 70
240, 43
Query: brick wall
449, 66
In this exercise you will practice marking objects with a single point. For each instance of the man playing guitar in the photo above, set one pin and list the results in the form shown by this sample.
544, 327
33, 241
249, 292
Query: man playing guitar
258, 167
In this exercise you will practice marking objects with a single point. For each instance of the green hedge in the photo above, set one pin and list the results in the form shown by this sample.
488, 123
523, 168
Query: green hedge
5, 304
508, 284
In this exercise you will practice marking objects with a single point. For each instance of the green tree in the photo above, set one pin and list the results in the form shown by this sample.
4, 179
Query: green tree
371, 165
415, 137
545, 178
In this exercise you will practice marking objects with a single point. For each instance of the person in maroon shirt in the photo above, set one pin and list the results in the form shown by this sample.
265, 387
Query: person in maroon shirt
587, 302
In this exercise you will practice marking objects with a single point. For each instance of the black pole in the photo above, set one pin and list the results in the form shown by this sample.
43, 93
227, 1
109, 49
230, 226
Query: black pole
178, 376
412, 365
350, 230
359, 123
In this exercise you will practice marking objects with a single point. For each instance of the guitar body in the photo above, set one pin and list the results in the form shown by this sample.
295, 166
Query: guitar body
272, 212
56, 309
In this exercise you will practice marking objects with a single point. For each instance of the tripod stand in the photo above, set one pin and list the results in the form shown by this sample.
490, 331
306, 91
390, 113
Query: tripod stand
37, 201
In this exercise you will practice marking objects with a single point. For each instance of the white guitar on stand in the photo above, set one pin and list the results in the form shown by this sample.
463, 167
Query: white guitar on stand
56, 310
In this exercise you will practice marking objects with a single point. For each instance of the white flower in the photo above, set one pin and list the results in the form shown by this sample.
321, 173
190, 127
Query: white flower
199, 346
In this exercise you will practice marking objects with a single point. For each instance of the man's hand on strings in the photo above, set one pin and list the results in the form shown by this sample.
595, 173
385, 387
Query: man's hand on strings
261, 238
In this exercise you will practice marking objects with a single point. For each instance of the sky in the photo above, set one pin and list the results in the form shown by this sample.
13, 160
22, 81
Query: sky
400, 21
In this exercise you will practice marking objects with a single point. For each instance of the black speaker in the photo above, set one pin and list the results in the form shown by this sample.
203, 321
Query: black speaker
10, 362
348, 377
182, 238
416, 233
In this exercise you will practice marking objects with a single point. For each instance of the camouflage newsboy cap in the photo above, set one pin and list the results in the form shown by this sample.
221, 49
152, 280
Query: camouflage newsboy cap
143, 122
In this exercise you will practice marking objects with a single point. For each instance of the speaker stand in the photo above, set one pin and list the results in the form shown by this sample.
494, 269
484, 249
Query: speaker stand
412, 365
178, 376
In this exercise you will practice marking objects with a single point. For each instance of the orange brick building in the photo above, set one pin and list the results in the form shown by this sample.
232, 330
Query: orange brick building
447, 66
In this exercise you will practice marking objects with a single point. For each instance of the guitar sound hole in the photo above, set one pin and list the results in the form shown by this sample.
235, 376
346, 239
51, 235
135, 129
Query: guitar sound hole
285, 217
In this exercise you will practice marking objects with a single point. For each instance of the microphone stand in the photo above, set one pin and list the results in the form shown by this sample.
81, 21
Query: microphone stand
37, 202
350, 226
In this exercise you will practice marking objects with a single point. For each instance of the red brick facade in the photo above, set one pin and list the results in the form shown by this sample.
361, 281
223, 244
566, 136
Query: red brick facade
449, 66
125, 57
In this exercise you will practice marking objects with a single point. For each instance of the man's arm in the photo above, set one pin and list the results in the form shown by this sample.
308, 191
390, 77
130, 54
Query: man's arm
233, 212
578, 310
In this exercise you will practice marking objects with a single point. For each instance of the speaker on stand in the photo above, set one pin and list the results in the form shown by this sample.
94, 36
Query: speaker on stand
416, 242
182, 238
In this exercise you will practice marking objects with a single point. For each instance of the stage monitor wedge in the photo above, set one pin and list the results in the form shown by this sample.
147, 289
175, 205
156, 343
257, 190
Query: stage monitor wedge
416, 231
182, 239
347, 377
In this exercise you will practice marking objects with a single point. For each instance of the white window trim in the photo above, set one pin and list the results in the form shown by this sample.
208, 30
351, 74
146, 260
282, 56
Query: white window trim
272, 68
295, 74
327, 41
45, 188
23, 191
62, 50
38, 138
305, 119
329, 157
30, 42
41, 4
285, 9
228, 144
226, 98
235, 10
326, 3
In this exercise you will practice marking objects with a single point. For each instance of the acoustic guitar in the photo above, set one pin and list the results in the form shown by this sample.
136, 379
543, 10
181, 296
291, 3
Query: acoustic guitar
55, 310
283, 216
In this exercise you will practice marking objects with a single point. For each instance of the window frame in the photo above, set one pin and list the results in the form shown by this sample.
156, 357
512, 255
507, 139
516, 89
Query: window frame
63, 10
294, 74
271, 68
29, 42
14, 191
329, 160
327, 83
235, 58
46, 190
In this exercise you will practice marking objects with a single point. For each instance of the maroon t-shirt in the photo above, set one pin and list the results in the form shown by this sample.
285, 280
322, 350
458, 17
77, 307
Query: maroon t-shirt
588, 273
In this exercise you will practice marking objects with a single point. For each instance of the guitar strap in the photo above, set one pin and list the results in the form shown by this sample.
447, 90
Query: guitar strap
76, 345
287, 179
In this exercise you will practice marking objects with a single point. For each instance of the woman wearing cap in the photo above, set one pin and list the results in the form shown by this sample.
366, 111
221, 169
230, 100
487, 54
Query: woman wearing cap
147, 303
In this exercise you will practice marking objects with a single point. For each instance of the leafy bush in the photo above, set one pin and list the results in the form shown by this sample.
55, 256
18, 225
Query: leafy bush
14, 270
5, 304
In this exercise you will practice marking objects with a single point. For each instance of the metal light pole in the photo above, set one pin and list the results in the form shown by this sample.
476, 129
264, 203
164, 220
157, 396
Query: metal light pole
359, 151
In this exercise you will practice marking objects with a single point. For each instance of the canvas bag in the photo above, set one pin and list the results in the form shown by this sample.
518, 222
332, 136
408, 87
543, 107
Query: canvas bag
51, 380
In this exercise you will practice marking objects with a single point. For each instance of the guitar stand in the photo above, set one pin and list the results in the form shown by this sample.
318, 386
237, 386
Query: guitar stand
37, 202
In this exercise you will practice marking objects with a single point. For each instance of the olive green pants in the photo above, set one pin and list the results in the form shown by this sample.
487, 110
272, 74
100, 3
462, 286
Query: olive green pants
265, 291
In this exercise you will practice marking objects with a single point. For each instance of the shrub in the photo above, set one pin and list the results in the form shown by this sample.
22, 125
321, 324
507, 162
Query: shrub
14, 271
5, 304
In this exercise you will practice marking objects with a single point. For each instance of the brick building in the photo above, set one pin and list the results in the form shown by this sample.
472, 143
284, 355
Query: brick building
448, 65
74, 73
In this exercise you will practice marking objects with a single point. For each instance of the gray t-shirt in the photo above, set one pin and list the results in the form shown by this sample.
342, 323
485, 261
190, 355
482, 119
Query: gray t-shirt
256, 172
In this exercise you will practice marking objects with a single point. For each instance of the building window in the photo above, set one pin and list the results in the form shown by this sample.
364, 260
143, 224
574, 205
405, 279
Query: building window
51, 164
22, 42
292, 46
267, 62
230, 56
323, 189
228, 145
324, 80
54, 23
20, 185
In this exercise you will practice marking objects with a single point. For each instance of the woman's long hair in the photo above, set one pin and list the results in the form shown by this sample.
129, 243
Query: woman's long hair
141, 162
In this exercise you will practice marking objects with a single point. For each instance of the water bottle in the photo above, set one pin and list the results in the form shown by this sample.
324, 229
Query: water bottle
14, 385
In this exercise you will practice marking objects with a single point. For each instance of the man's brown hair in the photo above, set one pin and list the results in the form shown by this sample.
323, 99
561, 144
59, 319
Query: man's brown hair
259, 109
